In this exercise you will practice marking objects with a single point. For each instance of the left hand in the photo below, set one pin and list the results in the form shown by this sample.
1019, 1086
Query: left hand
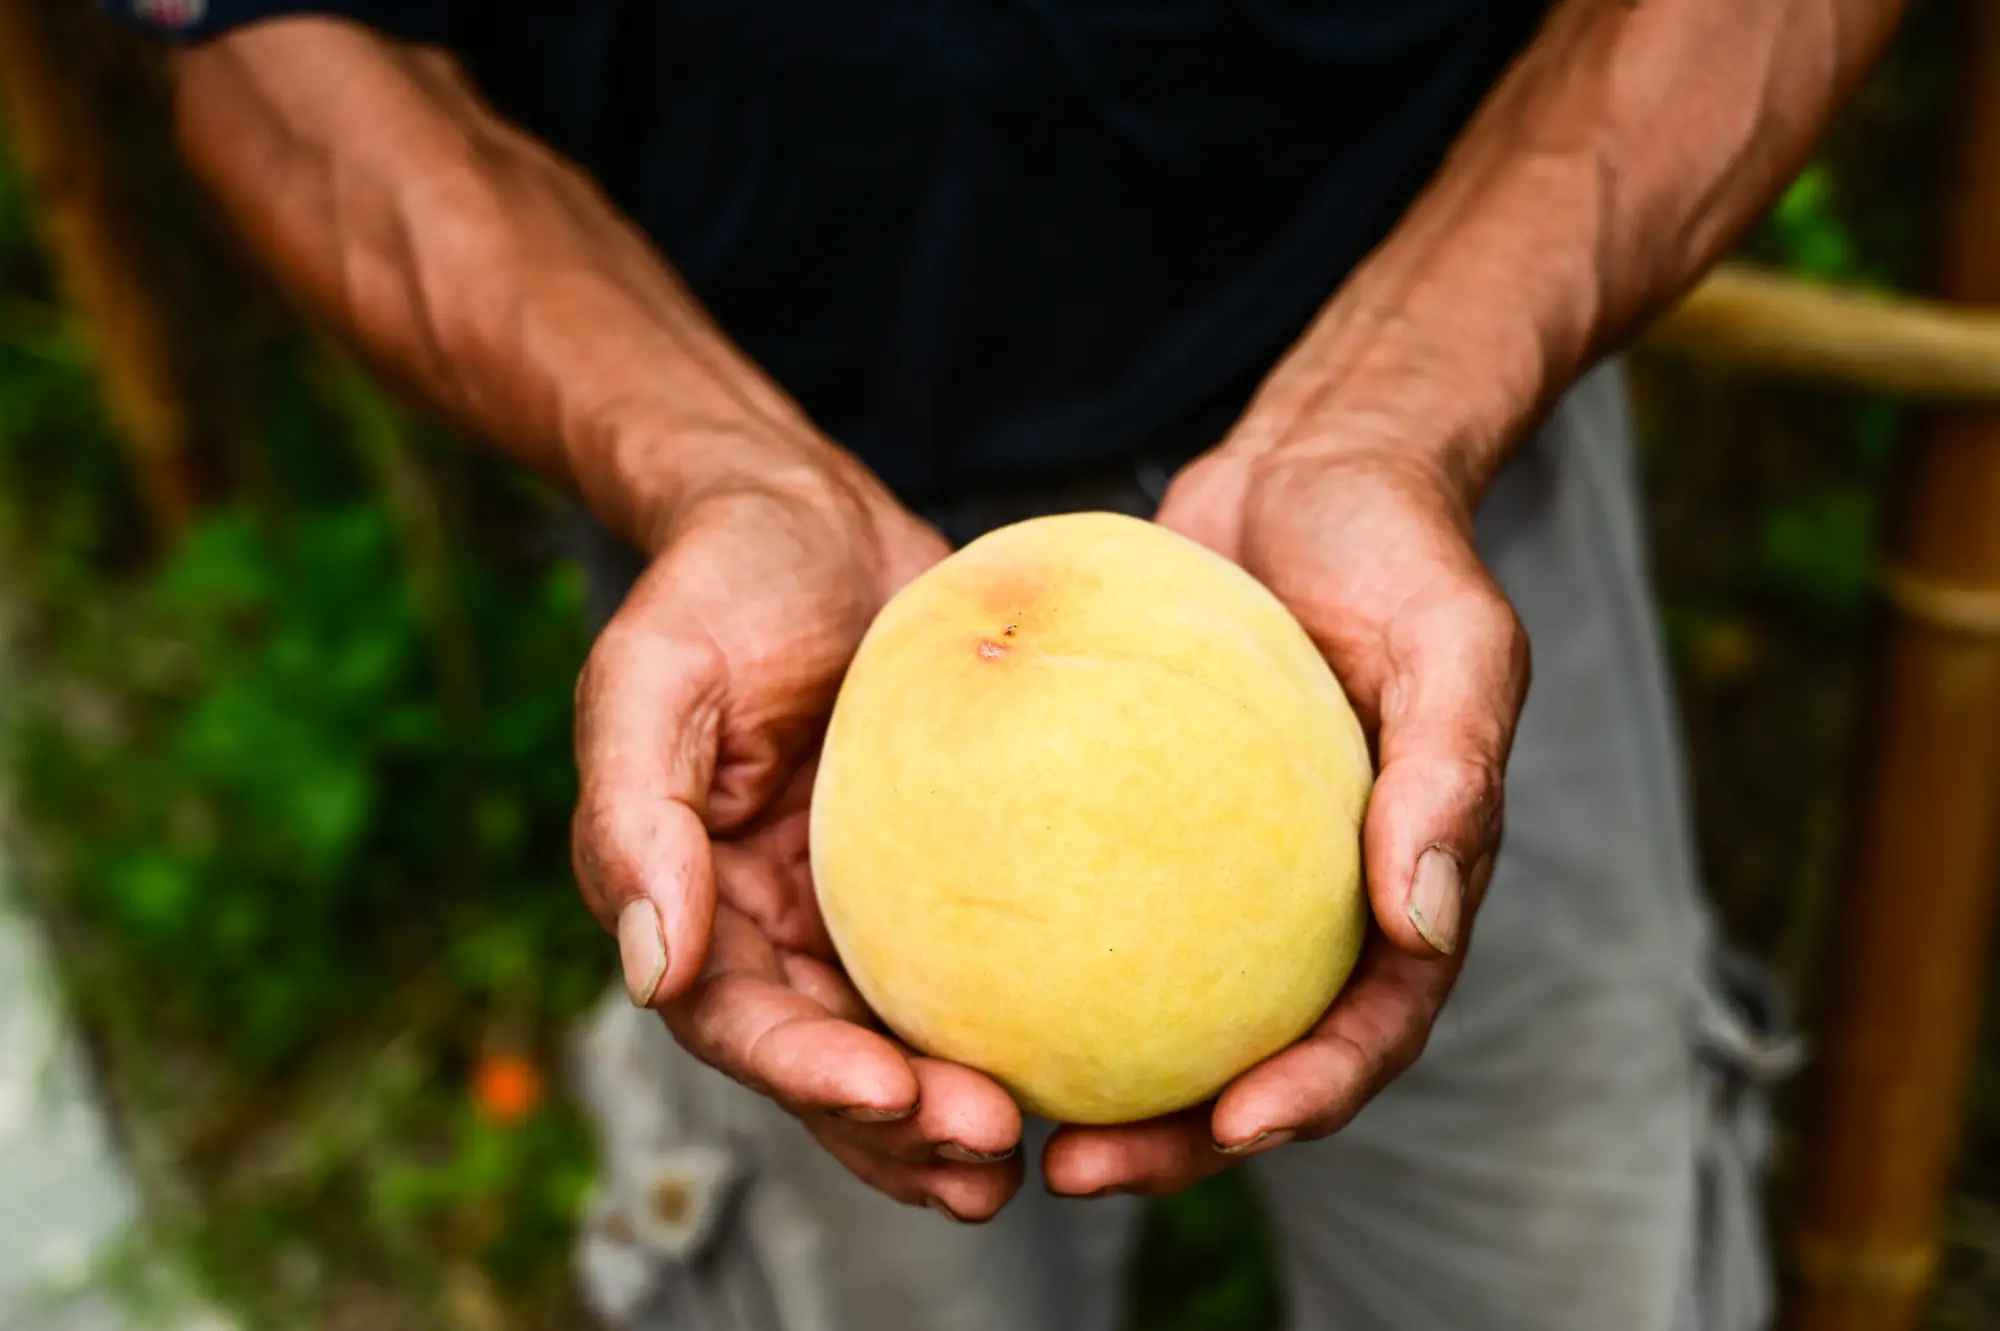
1371, 548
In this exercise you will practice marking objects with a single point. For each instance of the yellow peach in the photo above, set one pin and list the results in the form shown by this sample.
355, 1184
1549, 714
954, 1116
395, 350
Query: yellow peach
1088, 818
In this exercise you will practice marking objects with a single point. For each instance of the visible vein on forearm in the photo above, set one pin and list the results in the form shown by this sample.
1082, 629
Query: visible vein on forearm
1624, 150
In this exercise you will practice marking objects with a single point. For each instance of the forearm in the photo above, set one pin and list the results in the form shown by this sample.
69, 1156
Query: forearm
480, 269
1630, 145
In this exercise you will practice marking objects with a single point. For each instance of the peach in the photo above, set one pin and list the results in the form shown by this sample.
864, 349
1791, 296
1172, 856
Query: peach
1088, 818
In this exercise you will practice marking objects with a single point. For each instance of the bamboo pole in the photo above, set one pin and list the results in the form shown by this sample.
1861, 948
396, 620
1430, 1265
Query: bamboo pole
65, 147
1750, 319
1908, 968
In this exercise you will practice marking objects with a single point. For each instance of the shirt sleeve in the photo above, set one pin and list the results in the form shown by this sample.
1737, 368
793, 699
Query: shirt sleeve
188, 20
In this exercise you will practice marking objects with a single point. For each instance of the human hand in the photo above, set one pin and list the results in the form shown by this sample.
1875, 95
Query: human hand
1372, 550
699, 717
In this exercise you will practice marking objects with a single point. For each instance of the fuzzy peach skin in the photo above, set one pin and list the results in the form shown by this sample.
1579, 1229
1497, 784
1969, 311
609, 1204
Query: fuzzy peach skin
1088, 818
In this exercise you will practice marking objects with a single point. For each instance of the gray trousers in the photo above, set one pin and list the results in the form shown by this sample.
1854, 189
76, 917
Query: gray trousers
1577, 1150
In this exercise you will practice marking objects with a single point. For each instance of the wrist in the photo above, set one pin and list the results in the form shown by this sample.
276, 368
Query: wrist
647, 480
1438, 362
651, 476
1452, 339
1448, 411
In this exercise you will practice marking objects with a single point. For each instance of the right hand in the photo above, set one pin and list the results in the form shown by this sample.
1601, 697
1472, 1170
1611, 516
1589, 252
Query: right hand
699, 719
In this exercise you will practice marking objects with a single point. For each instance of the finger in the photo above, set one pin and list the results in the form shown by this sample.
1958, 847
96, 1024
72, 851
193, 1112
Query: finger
743, 1018
1458, 675
1373, 1032
826, 986
962, 1117
1204, 502
970, 1194
648, 716
1150, 1159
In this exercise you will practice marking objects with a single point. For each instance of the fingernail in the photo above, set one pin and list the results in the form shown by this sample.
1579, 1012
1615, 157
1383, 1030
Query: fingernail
1263, 1141
642, 949
943, 1210
870, 1114
1436, 896
953, 1151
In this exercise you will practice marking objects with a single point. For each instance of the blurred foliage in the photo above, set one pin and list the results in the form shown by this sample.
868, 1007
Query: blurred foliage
295, 798
1814, 549
1765, 503
271, 783
1206, 1262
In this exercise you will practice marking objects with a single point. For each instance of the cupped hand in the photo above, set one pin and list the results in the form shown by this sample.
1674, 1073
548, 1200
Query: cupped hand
1372, 551
699, 714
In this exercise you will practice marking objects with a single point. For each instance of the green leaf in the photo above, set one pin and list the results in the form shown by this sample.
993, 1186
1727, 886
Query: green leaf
1817, 551
331, 804
1806, 200
154, 893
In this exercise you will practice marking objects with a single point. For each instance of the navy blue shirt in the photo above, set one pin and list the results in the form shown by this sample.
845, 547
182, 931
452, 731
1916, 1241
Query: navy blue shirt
986, 238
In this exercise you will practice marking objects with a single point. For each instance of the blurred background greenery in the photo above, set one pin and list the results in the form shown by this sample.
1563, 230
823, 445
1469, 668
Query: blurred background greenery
291, 791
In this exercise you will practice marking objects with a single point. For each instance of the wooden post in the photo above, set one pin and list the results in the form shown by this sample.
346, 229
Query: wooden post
1756, 320
1907, 974
66, 147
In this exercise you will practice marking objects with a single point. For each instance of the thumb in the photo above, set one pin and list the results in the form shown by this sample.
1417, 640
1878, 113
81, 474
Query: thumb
648, 721
1458, 675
